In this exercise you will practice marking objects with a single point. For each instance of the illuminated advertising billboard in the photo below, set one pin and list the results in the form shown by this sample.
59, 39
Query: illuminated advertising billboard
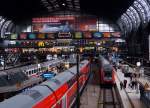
106, 35
32, 36
23, 36
41, 36
53, 24
86, 24
87, 35
78, 35
50, 35
14, 36
97, 35
116, 34
64, 35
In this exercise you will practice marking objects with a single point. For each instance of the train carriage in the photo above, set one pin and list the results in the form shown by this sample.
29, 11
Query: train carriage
107, 72
59, 92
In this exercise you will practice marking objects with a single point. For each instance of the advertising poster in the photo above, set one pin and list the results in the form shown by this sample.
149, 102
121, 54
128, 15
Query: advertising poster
64, 35
78, 35
86, 24
50, 35
106, 35
41, 36
53, 24
97, 35
87, 35
116, 34
23, 36
31, 36
14, 36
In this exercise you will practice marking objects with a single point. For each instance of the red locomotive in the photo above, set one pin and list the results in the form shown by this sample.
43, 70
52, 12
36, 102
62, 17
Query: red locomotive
107, 72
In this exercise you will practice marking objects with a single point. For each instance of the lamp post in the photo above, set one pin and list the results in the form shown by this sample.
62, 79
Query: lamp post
77, 77
138, 64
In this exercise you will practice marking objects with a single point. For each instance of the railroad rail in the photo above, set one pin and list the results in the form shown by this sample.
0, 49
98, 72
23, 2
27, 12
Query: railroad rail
108, 98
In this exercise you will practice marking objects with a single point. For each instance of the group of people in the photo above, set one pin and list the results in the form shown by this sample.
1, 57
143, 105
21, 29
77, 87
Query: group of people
123, 84
133, 83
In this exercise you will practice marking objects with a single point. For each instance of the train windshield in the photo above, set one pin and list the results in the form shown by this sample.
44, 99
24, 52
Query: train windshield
108, 72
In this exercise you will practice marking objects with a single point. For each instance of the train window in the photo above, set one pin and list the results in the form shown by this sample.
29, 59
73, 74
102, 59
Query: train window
29, 72
108, 74
32, 71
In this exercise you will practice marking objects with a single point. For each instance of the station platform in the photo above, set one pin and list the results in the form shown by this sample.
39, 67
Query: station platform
90, 96
130, 97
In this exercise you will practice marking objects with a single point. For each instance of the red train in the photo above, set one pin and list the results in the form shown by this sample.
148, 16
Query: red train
107, 72
59, 92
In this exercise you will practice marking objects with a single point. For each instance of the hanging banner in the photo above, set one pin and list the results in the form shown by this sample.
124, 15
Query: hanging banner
53, 24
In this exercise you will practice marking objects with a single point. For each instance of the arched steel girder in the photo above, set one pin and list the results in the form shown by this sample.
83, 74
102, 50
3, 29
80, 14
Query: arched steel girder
148, 1
139, 13
136, 14
5, 27
129, 20
124, 26
142, 14
145, 4
126, 22
129, 14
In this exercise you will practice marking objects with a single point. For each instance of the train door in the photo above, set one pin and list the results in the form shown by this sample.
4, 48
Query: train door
64, 102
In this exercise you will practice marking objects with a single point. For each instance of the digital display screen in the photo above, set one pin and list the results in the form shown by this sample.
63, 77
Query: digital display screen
32, 36
87, 35
50, 35
23, 36
14, 36
41, 36
78, 35
97, 34
106, 35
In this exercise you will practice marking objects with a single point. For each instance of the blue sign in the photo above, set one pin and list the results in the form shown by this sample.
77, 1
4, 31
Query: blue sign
97, 34
48, 75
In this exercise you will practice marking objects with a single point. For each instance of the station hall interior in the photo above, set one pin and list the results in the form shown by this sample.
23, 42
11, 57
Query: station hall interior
75, 54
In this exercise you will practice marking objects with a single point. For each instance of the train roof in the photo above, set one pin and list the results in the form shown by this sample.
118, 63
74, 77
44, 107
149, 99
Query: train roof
19, 69
104, 61
29, 97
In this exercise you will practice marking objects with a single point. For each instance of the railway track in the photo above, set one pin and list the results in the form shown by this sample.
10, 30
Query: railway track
109, 98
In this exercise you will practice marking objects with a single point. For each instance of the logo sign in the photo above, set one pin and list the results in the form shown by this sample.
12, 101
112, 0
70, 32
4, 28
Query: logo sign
41, 44
116, 34
87, 35
50, 35
78, 35
97, 34
106, 35
64, 35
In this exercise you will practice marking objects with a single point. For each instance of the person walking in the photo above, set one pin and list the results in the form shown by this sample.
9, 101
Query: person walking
125, 83
121, 85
